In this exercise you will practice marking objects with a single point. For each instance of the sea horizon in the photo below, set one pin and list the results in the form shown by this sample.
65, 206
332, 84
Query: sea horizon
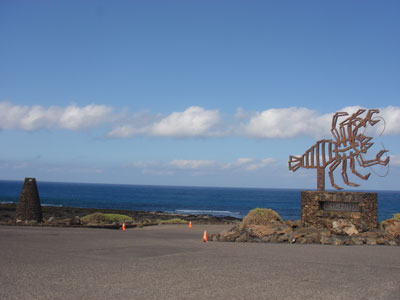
217, 201
203, 186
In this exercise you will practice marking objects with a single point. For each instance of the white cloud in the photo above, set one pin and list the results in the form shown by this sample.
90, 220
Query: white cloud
75, 118
243, 161
249, 164
272, 123
238, 163
37, 117
394, 160
391, 115
299, 121
261, 164
129, 125
193, 122
202, 167
128, 131
142, 164
285, 123
192, 164
158, 172
389, 120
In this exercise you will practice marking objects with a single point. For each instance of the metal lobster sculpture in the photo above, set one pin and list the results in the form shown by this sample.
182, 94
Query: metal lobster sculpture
347, 146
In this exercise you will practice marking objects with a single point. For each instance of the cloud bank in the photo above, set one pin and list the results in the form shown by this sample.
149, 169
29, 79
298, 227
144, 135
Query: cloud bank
36, 117
285, 123
194, 122
202, 167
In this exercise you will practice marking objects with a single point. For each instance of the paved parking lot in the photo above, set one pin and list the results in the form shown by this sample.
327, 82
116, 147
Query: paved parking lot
172, 262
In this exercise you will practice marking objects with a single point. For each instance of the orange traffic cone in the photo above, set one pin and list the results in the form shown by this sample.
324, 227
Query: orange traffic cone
205, 237
123, 226
190, 224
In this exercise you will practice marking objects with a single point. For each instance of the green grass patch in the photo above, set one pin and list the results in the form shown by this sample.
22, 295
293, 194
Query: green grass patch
173, 221
100, 218
396, 216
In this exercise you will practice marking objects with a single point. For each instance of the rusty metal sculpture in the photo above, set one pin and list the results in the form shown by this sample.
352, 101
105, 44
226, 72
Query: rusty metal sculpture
347, 146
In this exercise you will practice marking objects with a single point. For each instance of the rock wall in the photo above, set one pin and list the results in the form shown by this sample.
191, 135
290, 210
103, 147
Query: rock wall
28, 207
321, 209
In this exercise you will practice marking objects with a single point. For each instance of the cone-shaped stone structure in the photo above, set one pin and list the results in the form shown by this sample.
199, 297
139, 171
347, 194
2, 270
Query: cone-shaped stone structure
28, 207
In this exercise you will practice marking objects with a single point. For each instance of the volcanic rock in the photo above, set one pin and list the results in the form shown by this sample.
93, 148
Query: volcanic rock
392, 226
263, 225
343, 227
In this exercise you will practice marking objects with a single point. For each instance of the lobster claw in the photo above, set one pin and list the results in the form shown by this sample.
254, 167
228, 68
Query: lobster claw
379, 155
369, 116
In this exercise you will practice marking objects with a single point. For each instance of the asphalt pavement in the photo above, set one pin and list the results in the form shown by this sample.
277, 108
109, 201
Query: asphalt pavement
172, 262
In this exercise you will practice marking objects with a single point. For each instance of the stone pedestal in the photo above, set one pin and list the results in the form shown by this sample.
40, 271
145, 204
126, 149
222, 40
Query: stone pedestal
319, 209
28, 207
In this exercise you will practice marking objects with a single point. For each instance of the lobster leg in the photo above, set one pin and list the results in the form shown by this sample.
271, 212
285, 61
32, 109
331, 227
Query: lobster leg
355, 172
331, 169
344, 174
334, 130
353, 118
376, 161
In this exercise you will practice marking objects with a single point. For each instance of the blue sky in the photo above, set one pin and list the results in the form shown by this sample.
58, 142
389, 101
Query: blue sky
209, 93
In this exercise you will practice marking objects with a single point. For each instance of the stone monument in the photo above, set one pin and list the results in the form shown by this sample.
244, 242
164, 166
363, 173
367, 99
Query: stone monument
28, 207
347, 148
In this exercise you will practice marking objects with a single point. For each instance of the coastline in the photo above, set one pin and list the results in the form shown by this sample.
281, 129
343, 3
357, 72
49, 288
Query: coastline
63, 215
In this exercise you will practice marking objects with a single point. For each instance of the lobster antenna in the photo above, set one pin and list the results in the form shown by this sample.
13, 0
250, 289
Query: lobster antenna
384, 125
383, 147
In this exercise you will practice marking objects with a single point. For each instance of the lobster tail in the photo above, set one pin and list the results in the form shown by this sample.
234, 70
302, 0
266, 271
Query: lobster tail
318, 156
294, 163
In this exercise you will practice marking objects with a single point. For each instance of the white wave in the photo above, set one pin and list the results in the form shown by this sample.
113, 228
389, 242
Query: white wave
208, 212
52, 205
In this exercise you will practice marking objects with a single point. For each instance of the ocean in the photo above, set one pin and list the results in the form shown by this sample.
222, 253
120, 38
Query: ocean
215, 201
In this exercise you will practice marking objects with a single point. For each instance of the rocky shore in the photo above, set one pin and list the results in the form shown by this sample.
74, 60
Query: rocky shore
266, 226
260, 225
71, 216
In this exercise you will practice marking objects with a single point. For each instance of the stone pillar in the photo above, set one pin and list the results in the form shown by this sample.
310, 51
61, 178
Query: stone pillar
28, 207
319, 209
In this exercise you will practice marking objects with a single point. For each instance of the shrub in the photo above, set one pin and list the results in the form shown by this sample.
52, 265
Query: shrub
396, 216
173, 221
261, 216
118, 218
93, 218
100, 218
